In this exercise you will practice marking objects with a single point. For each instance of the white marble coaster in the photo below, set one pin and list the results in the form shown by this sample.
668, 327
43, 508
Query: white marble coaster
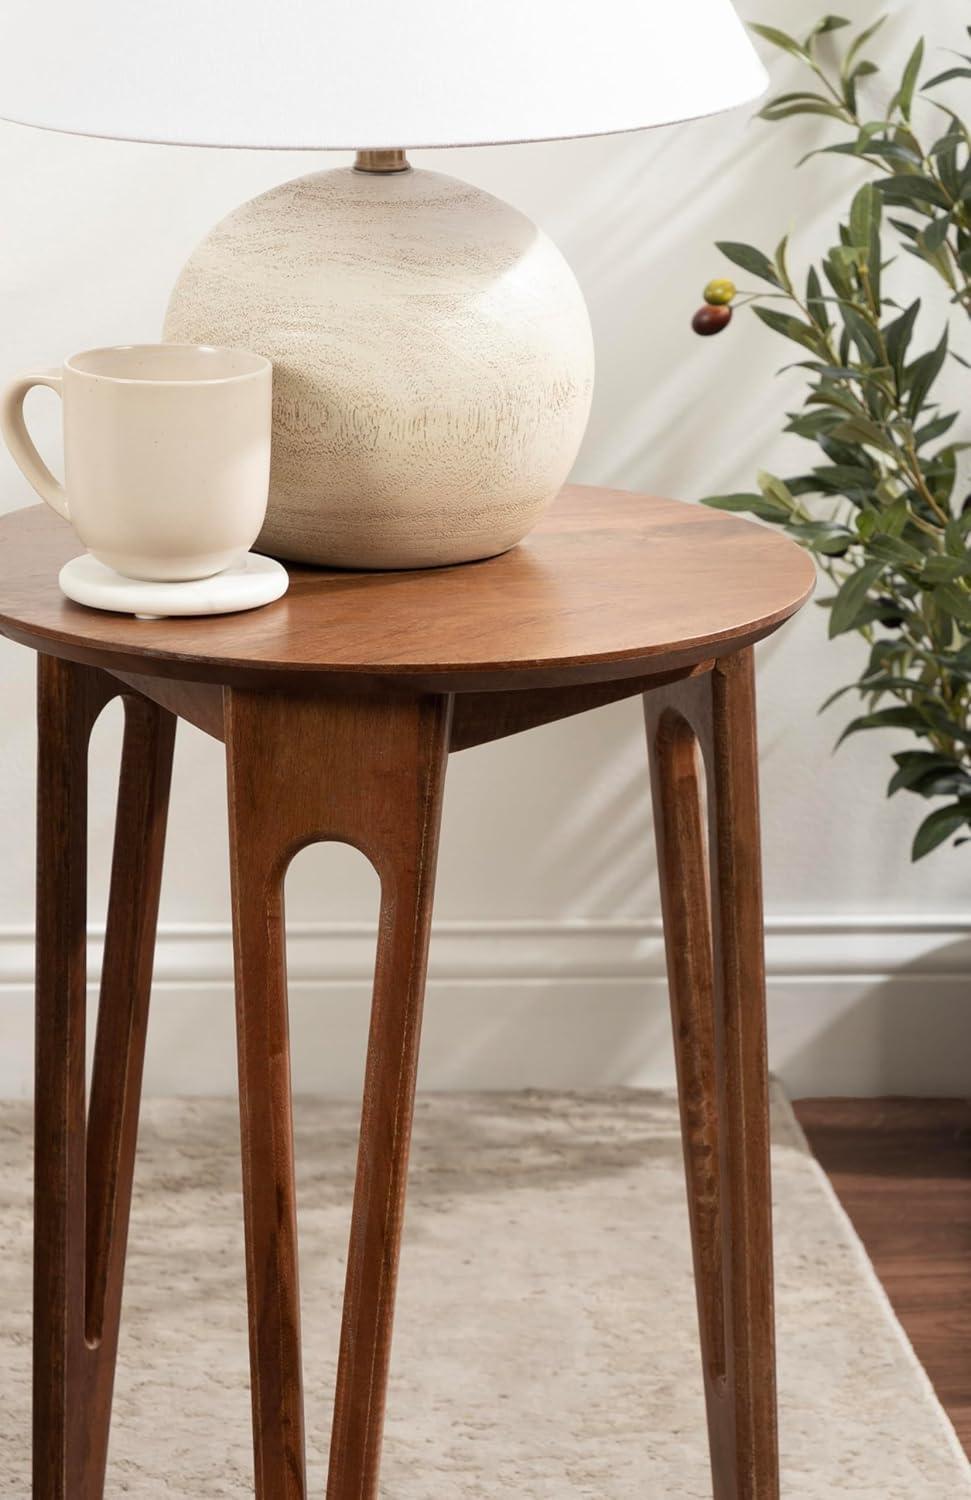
254, 581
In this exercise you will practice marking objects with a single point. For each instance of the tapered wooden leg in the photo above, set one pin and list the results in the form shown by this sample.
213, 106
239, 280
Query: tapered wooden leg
713, 932
368, 773
119, 1049
84, 1169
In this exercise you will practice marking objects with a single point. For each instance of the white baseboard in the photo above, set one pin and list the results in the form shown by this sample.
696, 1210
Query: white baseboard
858, 1005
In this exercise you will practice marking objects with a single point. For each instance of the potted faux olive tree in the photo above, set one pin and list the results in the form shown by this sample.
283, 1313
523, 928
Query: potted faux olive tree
878, 504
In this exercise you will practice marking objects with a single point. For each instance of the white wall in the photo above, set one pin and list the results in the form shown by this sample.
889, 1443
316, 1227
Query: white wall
546, 966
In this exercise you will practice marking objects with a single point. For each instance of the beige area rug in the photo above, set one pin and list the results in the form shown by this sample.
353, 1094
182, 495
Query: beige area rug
546, 1343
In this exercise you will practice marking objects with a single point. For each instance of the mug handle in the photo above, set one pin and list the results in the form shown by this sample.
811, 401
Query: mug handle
21, 444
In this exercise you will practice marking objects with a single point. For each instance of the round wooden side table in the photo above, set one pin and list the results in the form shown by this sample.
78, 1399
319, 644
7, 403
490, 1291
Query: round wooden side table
339, 706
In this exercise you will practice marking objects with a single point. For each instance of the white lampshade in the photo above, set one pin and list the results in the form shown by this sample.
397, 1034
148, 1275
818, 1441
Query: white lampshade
369, 73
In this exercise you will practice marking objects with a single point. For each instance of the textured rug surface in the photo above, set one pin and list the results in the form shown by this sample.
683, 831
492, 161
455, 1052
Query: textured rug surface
546, 1334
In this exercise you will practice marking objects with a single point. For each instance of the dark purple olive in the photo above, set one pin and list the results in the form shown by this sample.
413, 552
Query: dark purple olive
708, 320
892, 619
966, 506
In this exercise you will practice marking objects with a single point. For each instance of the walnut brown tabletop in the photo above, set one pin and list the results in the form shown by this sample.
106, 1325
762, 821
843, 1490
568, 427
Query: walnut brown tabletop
338, 706
609, 584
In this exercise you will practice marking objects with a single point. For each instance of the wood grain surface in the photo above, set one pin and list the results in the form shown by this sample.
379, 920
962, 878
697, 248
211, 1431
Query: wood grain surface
902, 1170
84, 1158
303, 770
339, 706
711, 898
609, 585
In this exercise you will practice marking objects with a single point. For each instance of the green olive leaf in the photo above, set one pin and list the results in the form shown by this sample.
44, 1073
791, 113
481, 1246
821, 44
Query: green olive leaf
852, 596
939, 826
750, 259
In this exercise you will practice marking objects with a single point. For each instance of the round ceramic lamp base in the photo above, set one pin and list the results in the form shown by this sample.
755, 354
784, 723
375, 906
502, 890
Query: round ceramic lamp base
433, 363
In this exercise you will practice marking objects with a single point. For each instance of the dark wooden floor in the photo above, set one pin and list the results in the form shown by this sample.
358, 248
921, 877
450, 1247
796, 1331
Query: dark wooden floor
902, 1168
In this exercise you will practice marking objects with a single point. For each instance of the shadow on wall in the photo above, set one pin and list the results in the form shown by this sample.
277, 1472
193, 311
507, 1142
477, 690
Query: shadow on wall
907, 1032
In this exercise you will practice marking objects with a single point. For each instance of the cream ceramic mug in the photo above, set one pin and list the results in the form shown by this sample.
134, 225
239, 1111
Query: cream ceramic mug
166, 454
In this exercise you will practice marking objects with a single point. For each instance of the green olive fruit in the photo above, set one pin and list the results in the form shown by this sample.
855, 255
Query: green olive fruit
720, 292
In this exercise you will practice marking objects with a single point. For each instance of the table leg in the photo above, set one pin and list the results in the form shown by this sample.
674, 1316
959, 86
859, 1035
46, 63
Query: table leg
84, 1165
369, 773
713, 933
